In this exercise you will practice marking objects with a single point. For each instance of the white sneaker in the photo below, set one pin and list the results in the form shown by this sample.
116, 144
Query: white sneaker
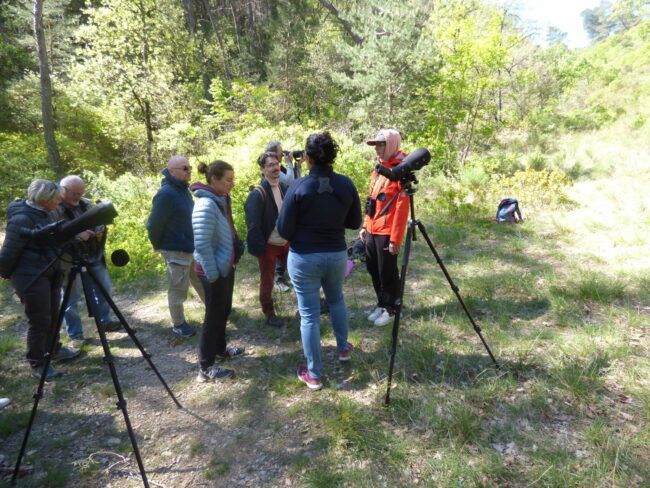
375, 313
384, 317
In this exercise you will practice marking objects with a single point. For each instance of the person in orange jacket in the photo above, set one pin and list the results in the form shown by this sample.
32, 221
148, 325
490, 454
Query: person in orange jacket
384, 226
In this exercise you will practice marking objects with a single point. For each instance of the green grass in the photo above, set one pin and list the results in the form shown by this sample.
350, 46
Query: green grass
561, 300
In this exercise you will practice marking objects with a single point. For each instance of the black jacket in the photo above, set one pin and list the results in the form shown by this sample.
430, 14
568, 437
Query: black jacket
261, 217
94, 246
316, 211
25, 255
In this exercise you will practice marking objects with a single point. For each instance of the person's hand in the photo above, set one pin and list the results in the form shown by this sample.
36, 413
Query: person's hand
86, 234
362, 235
393, 249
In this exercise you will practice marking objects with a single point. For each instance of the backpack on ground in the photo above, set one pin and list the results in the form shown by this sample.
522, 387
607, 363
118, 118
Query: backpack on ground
508, 211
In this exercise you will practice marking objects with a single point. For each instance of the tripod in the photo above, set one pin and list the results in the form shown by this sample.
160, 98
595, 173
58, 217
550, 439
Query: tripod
407, 186
82, 267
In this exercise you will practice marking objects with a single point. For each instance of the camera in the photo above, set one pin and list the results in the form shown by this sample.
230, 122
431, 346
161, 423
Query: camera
413, 162
297, 154
370, 206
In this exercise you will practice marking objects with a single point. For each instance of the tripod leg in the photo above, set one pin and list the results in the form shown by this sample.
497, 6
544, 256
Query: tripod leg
398, 311
455, 289
131, 333
86, 276
46, 366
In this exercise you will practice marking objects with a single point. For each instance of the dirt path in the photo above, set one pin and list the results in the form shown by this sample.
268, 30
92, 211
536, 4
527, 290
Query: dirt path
241, 432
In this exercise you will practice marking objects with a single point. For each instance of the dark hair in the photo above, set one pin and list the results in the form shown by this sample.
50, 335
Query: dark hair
261, 161
321, 148
218, 168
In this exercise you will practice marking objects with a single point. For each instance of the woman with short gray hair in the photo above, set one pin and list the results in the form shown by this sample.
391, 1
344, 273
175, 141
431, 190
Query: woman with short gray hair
23, 259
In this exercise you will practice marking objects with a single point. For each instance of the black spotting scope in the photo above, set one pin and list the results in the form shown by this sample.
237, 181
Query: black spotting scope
413, 162
63, 231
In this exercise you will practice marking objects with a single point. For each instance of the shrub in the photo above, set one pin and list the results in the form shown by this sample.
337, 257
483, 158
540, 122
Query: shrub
131, 195
534, 187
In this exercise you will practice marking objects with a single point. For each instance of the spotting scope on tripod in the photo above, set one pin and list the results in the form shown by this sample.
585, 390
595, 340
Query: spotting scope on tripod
61, 236
405, 174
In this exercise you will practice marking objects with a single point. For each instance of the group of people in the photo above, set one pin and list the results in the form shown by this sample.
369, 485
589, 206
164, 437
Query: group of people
294, 224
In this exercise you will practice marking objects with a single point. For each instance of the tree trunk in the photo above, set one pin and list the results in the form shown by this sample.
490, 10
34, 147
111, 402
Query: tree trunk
217, 32
47, 111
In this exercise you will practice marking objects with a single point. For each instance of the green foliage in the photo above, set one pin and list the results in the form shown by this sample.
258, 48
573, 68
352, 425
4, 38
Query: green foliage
531, 186
131, 195
24, 158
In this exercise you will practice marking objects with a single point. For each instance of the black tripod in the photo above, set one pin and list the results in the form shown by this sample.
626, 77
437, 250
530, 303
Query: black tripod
83, 267
407, 186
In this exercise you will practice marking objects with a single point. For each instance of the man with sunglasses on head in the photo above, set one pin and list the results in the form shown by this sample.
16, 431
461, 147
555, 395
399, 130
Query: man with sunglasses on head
170, 232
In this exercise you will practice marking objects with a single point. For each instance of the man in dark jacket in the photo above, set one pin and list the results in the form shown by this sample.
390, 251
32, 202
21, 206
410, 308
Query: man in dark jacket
262, 207
170, 232
91, 243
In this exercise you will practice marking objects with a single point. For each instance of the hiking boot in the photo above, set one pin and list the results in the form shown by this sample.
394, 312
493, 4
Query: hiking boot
231, 352
306, 378
375, 314
347, 354
281, 285
384, 317
214, 373
184, 330
111, 325
51, 373
274, 321
66, 353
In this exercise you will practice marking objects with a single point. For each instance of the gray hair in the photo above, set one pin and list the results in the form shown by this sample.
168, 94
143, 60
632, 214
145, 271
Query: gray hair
272, 147
42, 191
71, 180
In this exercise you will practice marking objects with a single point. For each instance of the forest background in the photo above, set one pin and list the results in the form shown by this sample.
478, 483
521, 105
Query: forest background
116, 87
124, 84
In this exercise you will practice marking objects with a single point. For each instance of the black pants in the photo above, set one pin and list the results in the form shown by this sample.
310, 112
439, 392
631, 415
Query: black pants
41, 301
218, 304
382, 267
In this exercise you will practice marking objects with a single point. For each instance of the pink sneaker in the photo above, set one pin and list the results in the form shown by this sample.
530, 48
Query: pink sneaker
347, 354
305, 377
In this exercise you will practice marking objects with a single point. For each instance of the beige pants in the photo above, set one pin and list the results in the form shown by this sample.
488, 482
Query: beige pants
180, 273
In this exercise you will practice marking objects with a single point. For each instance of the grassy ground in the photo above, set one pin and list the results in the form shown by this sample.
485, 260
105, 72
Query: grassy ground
563, 300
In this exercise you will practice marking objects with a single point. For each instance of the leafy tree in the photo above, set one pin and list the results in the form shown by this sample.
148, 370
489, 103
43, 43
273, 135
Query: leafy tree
380, 74
608, 18
135, 57
459, 104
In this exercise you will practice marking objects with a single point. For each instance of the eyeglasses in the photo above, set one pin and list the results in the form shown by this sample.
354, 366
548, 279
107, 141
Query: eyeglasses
271, 165
184, 168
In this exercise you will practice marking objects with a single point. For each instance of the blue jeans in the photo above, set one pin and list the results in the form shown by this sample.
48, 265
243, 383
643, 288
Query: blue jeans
73, 326
308, 272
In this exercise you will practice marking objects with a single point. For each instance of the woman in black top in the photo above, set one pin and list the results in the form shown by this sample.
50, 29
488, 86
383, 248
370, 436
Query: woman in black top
315, 213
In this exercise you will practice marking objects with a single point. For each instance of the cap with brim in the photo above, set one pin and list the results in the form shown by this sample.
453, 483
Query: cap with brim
379, 138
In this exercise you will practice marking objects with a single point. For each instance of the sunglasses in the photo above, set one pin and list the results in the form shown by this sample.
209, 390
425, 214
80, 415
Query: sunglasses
184, 168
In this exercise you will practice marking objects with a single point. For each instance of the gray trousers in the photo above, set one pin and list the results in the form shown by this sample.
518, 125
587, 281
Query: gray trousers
180, 273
